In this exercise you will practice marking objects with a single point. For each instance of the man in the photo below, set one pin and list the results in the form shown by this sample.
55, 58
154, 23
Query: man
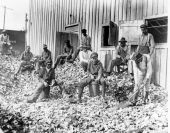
142, 68
85, 42
146, 45
45, 57
95, 69
26, 58
84, 57
4, 42
47, 79
122, 56
67, 53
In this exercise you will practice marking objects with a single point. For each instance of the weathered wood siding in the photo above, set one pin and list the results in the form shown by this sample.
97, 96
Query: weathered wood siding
49, 17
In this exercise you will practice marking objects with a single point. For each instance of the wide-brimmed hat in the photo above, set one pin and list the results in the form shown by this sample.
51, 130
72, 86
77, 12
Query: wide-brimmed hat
122, 40
143, 26
94, 54
49, 62
83, 30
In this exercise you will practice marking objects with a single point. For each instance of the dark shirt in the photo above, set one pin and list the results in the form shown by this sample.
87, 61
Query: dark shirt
47, 76
46, 56
26, 56
95, 69
123, 52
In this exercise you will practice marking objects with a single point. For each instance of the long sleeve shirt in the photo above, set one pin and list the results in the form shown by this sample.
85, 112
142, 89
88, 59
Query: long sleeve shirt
84, 56
26, 56
95, 69
144, 69
4, 39
68, 50
46, 56
122, 52
47, 76
85, 41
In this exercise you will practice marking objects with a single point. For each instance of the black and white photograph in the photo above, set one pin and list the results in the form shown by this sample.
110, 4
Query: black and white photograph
84, 66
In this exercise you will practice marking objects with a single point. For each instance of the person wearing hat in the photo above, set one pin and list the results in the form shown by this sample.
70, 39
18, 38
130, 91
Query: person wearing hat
84, 57
122, 55
45, 57
85, 42
26, 59
46, 79
4, 42
66, 55
95, 69
142, 69
146, 45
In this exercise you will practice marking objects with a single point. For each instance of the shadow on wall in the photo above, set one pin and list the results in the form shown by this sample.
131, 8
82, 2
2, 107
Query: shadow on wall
17, 39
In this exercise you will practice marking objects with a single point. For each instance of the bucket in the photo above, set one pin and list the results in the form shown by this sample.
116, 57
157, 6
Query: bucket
94, 89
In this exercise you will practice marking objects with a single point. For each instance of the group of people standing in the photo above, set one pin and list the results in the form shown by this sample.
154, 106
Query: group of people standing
139, 64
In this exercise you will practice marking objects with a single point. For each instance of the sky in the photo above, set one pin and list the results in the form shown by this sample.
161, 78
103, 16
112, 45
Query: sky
15, 18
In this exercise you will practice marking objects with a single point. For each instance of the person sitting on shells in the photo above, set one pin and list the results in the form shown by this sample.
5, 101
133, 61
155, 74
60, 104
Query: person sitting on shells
26, 59
95, 69
47, 79
66, 55
122, 56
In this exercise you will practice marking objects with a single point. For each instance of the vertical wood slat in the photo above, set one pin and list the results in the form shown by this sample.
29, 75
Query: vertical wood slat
139, 10
160, 6
104, 11
145, 7
113, 10
155, 7
128, 10
133, 9
93, 25
117, 11
120, 9
163, 62
124, 10
109, 10
87, 15
149, 9
165, 6
97, 25
100, 23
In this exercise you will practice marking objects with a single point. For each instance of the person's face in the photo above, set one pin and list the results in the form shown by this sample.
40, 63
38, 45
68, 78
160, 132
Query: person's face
84, 33
28, 49
94, 59
144, 30
122, 44
49, 66
85, 50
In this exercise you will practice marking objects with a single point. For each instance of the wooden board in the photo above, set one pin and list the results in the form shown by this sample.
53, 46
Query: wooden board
124, 10
128, 10
113, 10
149, 8
133, 10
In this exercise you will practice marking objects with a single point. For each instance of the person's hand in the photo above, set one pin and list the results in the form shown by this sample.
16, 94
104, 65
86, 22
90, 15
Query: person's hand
53, 83
45, 84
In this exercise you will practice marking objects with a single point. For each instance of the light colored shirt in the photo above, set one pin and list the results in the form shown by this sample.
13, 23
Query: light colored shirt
85, 41
144, 69
84, 56
4, 39
26, 56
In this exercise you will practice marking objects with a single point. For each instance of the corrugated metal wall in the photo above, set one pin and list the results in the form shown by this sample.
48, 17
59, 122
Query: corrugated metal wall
49, 17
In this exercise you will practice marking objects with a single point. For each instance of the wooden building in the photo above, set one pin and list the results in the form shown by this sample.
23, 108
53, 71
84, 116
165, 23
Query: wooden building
106, 21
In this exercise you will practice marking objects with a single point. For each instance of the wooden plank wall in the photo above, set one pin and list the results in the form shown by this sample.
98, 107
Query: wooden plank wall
47, 19
50, 16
